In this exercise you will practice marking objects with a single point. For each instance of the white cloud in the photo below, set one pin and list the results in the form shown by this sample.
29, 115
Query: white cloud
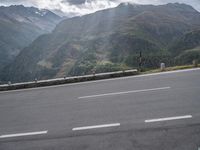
89, 6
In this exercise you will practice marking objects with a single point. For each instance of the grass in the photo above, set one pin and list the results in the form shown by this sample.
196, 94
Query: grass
171, 69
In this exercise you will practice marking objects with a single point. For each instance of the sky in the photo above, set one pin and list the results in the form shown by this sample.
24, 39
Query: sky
81, 7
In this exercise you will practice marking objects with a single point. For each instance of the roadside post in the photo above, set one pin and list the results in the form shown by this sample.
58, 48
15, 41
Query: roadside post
9, 83
195, 63
140, 62
162, 66
93, 72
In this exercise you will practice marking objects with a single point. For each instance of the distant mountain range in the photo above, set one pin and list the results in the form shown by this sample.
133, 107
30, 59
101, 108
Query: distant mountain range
20, 26
110, 40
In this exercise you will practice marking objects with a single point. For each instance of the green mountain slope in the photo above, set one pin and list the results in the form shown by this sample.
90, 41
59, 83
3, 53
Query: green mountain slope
188, 41
187, 48
104, 41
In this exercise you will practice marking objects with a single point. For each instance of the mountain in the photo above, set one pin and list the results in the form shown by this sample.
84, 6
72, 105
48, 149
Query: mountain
187, 48
107, 40
20, 26
190, 40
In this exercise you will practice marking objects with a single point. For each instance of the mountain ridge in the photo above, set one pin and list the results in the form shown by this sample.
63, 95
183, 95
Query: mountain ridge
19, 26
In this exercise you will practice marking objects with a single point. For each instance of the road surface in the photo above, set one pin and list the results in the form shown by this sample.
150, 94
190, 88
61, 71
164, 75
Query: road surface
155, 112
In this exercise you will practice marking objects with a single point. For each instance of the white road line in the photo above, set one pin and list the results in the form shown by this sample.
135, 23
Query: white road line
23, 134
126, 92
104, 80
168, 119
96, 127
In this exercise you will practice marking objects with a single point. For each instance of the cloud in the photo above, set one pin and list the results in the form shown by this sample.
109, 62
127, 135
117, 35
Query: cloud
76, 7
81, 7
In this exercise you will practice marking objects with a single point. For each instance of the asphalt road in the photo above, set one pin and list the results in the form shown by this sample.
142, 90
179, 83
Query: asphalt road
153, 112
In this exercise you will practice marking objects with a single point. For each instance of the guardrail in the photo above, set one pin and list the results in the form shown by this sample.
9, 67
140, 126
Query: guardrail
59, 81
